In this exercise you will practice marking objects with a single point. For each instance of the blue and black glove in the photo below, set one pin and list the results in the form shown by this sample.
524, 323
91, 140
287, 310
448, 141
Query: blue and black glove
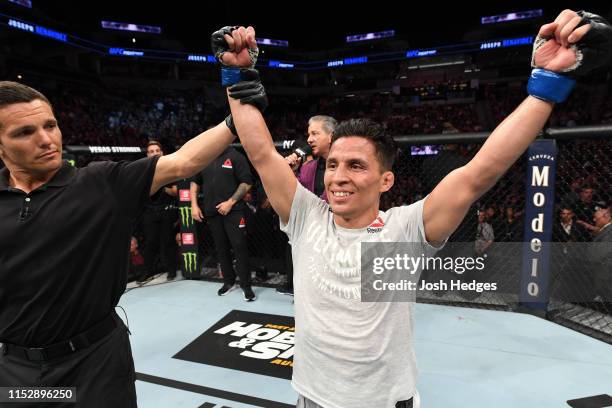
250, 90
230, 75
593, 54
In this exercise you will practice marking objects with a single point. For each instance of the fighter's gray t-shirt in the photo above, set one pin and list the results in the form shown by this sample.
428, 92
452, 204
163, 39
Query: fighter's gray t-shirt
349, 353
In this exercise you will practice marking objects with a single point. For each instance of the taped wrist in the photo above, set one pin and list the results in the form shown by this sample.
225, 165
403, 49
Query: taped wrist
230, 76
549, 86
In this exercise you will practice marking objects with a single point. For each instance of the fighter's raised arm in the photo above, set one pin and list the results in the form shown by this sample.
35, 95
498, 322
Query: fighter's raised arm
198, 152
573, 45
236, 49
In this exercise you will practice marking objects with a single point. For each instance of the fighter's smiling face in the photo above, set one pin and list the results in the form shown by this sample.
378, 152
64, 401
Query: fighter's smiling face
354, 181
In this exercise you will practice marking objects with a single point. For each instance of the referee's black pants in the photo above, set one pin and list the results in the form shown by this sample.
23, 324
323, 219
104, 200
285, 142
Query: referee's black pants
102, 373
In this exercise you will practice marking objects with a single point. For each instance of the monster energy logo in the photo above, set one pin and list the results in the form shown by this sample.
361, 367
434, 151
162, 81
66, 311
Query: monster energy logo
190, 261
186, 219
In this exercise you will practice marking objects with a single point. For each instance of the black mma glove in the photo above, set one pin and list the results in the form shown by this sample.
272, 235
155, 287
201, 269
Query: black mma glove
593, 51
250, 90
230, 75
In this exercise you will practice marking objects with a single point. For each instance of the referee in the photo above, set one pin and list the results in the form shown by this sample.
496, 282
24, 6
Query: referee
64, 252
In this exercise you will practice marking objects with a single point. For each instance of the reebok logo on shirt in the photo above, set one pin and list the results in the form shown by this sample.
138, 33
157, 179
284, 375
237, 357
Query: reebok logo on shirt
227, 164
242, 223
376, 226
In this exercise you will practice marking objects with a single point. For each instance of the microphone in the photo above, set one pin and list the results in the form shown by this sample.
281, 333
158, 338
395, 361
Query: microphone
300, 152
25, 210
303, 150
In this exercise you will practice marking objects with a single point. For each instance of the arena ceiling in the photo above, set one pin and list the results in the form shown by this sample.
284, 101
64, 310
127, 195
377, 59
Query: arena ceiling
307, 25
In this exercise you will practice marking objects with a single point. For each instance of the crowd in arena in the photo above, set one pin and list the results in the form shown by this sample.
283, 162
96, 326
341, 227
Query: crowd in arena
98, 116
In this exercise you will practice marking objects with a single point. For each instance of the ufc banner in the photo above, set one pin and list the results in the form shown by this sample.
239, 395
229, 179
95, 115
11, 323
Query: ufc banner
539, 221
190, 264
